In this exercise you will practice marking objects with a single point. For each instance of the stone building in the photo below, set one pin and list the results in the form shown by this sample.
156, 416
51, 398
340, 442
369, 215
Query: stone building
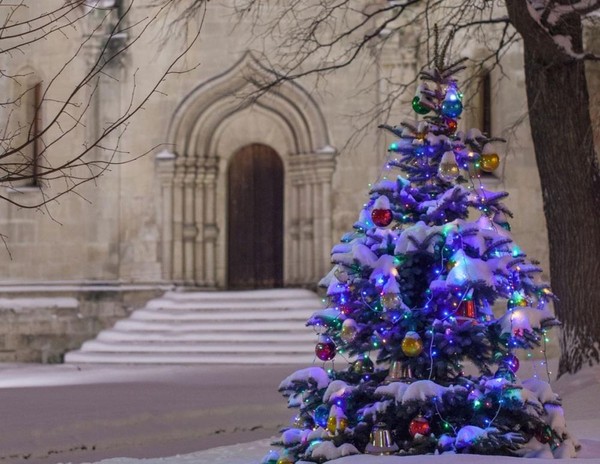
188, 214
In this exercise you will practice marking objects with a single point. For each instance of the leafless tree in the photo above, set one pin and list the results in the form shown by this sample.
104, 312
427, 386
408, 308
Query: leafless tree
49, 139
322, 36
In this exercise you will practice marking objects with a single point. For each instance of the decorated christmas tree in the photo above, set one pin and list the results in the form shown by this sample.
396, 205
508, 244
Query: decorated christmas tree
429, 301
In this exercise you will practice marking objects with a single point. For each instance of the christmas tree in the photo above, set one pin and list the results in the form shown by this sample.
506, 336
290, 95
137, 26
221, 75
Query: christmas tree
410, 305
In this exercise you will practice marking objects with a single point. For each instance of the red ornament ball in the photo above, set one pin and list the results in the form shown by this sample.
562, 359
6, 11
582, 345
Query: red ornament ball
419, 425
382, 217
452, 125
325, 350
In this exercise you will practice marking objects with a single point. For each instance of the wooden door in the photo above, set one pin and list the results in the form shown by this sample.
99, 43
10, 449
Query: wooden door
255, 219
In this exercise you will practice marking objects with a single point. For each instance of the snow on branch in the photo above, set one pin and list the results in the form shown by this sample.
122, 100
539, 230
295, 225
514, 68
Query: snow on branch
549, 14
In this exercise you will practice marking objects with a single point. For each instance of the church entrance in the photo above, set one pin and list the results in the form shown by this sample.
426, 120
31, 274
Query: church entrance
255, 218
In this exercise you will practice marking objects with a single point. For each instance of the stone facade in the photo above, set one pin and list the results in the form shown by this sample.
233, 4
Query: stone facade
161, 220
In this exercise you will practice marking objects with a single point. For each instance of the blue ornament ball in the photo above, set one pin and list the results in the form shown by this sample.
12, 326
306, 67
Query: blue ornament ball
452, 108
321, 415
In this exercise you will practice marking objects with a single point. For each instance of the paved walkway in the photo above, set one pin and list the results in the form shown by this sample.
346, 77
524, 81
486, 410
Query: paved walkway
70, 415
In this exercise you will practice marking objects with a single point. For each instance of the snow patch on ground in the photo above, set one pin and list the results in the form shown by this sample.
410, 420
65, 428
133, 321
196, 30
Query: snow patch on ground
52, 375
252, 453
580, 395
243, 453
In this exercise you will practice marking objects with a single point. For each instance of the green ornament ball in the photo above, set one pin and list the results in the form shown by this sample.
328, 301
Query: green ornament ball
419, 109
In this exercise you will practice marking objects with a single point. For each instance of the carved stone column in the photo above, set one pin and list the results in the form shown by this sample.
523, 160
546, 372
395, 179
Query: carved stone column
292, 244
165, 167
190, 230
310, 215
199, 213
178, 274
211, 230
324, 167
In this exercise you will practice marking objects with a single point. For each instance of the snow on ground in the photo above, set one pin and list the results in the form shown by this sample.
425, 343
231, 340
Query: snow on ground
61, 413
243, 453
50, 375
580, 393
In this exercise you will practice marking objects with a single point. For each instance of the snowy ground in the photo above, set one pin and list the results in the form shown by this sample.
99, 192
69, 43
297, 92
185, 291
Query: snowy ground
59, 413
146, 412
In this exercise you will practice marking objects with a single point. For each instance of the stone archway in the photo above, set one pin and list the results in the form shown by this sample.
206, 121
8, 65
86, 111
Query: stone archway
208, 127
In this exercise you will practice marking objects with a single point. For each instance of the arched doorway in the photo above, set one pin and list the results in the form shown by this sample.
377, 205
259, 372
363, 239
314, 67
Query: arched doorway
255, 218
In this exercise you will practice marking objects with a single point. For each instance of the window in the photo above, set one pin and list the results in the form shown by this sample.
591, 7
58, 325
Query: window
485, 103
22, 167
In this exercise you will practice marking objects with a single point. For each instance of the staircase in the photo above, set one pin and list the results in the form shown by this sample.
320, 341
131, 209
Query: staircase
245, 327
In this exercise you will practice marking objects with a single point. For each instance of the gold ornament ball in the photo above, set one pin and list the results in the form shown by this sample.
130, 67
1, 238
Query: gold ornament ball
334, 425
348, 332
489, 162
343, 424
331, 424
412, 345
390, 300
363, 366
285, 460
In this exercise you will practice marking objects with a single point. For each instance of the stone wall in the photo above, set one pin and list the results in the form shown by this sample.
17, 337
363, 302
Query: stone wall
121, 229
40, 324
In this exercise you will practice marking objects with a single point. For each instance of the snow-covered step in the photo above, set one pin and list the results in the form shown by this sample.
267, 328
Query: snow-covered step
248, 347
187, 315
205, 337
283, 296
161, 303
182, 326
188, 358
262, 326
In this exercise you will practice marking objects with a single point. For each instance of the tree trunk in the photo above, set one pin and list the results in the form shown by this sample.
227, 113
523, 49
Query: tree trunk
561, 129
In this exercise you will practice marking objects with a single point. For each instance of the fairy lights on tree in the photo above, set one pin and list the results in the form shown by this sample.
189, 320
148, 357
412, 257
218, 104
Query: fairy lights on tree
410, 304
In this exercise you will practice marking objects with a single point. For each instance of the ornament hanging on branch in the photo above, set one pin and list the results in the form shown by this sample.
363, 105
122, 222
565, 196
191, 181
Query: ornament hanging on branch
325, 349
467, 309
390, 293
349, 330
412, 345
337, 421
420, 97
381, 442
419, 425
399, 373
512, 362
363, 365
451, 124
489, 161
448, 169
321, 415
382, 214
285, 460
452, 105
